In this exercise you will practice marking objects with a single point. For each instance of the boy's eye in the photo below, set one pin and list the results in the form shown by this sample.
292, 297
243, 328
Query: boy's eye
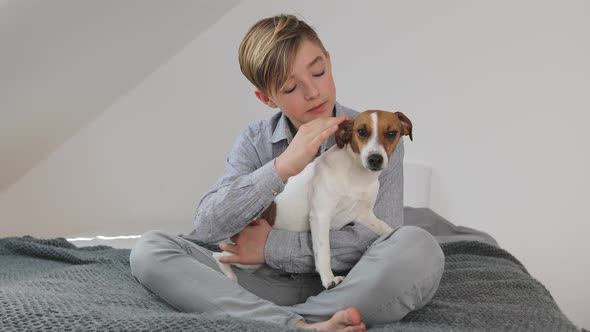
319, 74
391, 134
290, 89
362, 132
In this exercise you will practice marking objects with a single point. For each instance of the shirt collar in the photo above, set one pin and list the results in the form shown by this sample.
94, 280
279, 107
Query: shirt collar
283, 130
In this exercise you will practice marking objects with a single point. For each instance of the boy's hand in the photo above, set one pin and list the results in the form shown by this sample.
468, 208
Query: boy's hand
305, 145
248, 245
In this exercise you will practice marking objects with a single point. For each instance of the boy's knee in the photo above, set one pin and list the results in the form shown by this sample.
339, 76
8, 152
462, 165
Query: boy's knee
420, 248
427, 261
142, 259
414, 275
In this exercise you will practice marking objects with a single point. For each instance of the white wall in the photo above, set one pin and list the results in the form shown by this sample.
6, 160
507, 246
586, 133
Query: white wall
497, 91
62, 62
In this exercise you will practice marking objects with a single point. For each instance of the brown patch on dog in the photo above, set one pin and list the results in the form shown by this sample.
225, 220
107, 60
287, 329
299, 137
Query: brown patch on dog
354, 145
362, 124
387, 123
344, 133
270, 214
406, 124
392, 123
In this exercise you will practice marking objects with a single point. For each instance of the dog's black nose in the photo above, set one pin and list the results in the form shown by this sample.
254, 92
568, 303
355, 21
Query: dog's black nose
375, 161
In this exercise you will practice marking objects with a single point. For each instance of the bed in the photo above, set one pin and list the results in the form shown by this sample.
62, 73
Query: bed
86, 284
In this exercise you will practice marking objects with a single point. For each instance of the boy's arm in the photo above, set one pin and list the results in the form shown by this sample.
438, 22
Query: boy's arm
245, 189
293, 251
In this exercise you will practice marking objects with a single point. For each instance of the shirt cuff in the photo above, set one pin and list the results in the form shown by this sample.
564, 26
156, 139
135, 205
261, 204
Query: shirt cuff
267, 179
278, 249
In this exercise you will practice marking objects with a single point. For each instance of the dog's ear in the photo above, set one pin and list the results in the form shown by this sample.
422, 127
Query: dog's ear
344, 133
406, 124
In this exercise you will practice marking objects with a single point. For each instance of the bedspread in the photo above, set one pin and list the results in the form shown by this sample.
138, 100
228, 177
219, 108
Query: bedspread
54, 286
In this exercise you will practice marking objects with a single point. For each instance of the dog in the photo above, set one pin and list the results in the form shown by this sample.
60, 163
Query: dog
338, 186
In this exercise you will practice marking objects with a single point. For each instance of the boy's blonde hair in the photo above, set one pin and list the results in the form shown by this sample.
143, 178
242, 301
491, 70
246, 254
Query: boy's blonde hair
268, 49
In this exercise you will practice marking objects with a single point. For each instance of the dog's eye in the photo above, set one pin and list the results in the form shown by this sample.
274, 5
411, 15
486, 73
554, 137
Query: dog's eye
362, 132
391, 134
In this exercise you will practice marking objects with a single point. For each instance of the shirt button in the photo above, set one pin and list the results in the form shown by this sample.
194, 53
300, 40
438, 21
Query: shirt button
274, 193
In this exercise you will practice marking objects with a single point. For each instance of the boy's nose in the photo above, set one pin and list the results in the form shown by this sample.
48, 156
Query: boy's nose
311, 92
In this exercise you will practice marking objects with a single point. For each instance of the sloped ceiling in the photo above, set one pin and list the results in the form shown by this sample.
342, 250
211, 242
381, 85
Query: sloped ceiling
62, 62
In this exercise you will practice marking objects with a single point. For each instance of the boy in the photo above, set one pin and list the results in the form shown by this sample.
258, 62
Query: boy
386, 277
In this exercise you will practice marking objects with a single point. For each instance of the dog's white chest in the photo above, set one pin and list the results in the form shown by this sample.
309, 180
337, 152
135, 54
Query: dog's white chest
331, 179
293, 204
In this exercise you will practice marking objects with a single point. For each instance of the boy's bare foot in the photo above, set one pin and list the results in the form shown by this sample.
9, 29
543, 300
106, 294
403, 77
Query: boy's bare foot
347, 320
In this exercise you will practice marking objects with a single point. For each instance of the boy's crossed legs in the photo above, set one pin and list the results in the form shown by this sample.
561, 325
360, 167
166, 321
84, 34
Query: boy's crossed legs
398, 273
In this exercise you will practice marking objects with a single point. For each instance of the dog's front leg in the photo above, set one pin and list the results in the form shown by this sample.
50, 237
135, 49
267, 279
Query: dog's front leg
320, 236
375, 224
225, 268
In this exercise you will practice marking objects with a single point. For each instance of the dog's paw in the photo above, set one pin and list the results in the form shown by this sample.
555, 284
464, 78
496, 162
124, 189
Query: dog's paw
225, 268
335, 281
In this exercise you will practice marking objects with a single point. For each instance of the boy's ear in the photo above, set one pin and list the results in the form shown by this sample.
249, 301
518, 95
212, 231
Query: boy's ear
406, 124
344, 133
264, 99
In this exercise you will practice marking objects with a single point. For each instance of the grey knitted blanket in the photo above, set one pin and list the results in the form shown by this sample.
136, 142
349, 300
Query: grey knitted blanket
51, 285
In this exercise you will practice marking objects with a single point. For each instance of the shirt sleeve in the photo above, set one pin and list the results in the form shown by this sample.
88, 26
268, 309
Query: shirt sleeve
293, 251
246, 188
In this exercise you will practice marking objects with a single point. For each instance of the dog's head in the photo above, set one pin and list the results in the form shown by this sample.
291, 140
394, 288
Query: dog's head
373, 135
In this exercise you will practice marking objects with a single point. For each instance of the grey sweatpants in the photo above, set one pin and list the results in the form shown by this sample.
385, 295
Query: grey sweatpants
398, 273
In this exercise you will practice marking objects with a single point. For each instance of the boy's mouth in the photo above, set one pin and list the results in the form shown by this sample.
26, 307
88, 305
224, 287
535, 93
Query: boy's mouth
317, 109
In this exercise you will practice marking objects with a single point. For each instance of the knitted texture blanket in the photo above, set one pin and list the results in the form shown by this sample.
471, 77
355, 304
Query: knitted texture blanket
51, 285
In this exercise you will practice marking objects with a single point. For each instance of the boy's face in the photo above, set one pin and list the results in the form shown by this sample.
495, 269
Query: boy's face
309, 92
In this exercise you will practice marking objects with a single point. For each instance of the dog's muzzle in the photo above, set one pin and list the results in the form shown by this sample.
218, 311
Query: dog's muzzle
375, 162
